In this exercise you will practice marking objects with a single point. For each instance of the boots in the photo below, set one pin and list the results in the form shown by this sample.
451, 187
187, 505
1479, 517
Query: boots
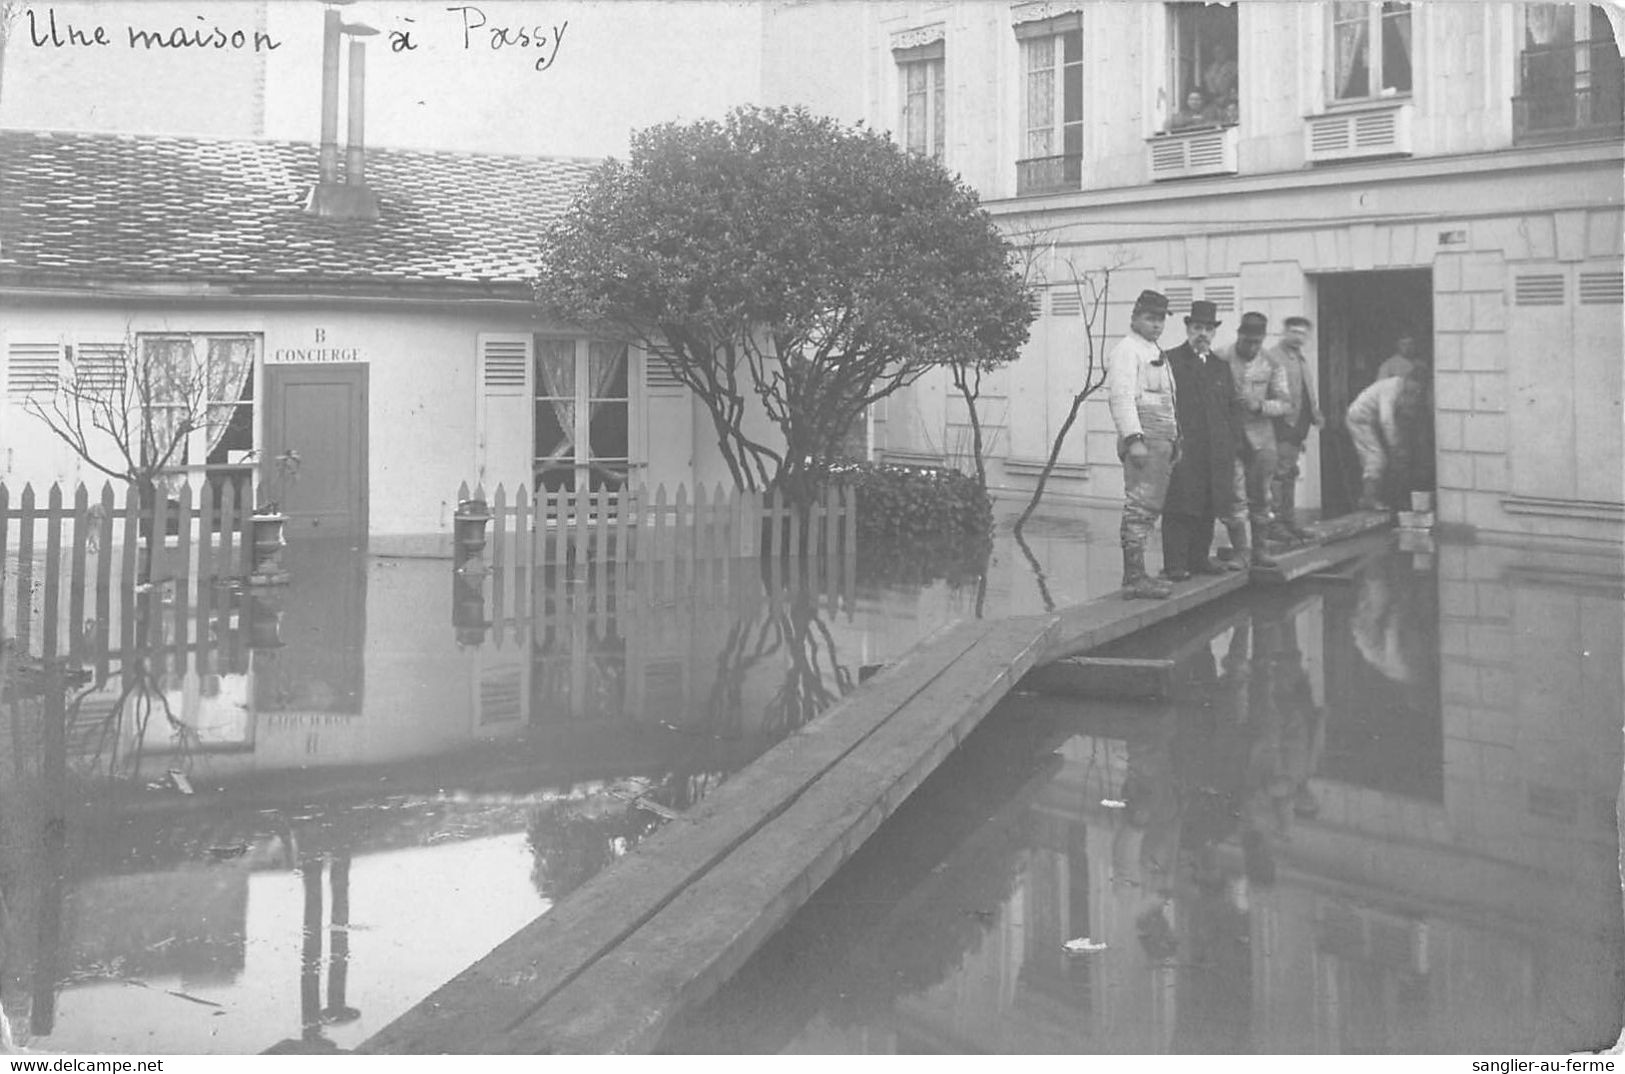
1370, 494
1285, 527
1176, 539
1260, 558
1136, 583
1238, 546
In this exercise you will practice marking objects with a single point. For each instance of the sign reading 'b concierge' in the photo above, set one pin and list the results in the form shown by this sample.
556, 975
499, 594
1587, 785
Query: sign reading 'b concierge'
319, 350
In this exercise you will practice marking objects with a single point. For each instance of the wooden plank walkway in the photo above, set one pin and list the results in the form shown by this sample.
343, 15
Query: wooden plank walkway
605, 970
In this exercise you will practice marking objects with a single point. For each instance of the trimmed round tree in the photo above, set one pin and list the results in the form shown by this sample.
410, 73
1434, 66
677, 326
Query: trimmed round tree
785, 257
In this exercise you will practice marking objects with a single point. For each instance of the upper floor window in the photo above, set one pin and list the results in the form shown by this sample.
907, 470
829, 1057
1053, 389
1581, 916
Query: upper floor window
1202, 78
1052, 106
923, 83
1371, 49
1570, 76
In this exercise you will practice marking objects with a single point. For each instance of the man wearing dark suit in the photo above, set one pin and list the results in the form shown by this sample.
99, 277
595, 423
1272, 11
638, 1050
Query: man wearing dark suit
1200, 488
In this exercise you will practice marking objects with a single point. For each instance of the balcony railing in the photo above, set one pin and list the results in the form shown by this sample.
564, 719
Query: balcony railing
1044, 175
1570, 91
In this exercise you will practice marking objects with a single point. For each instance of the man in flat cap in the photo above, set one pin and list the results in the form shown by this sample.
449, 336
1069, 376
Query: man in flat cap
1140, 392
1292, 428
1261, 397
1200, 487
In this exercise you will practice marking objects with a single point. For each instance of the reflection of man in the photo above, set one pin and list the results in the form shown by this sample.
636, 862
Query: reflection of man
1201, 484
1292, 428
1140, 392
1261, 397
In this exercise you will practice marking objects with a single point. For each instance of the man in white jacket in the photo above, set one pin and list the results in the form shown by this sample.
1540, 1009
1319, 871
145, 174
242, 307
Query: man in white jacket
1377, 427
1140, 392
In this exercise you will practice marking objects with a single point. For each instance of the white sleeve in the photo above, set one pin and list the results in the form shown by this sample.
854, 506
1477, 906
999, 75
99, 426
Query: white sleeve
1123, 387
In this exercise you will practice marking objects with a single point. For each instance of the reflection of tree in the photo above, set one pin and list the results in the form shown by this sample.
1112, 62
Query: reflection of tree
808, 646
572, 842
902, 915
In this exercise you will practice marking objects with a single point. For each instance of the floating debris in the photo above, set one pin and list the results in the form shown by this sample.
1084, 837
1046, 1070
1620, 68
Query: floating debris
1083, 945
178, 780
225, 853
656, 808
1113, 803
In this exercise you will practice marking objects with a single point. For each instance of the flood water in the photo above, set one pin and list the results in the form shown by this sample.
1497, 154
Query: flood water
297, 812
1377, 813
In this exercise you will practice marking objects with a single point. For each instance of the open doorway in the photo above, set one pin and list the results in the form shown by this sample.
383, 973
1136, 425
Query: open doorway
1362, 316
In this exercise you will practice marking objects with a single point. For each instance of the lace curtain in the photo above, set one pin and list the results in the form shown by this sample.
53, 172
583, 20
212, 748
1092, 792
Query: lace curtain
1040, 96
1352, 33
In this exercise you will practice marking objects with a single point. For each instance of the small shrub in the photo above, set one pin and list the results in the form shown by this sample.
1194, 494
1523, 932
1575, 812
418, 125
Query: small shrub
905, 504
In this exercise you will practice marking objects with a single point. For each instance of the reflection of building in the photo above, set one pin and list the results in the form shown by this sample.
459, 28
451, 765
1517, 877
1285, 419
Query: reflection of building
1452, 889
1453, 167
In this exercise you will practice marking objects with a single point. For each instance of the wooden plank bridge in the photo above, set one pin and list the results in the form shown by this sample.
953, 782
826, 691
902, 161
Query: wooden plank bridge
606, 969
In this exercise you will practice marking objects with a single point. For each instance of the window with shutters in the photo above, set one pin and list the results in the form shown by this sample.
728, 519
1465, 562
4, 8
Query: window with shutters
582, 424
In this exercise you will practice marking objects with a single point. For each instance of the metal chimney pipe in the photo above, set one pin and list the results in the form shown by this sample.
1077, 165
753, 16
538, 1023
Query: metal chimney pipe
355, 153
330, 97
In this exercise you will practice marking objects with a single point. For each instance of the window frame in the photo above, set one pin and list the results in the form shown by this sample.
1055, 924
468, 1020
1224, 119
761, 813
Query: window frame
930, 61
1173, 12
584, 464
1057, 33
196, 445
1374, 16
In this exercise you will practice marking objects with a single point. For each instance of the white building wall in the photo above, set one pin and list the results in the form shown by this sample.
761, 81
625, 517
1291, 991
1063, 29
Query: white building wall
1523, 404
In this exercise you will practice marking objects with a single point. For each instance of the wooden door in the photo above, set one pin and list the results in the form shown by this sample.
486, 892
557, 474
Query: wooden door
320, 412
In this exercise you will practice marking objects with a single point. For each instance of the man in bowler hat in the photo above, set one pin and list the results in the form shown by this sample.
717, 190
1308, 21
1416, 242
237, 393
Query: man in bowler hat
1201, 484
1140, 392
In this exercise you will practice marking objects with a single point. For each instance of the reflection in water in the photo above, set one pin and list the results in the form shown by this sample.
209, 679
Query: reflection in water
208, 813
1298, 852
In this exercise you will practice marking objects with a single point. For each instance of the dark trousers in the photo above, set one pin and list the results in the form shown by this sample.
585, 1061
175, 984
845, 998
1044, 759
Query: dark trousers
1187, 540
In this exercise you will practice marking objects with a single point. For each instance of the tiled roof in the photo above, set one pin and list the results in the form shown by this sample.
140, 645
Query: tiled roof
105, 208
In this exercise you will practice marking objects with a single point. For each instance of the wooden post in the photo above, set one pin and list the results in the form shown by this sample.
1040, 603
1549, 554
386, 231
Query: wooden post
25, 569
245, 532
5, 529
830, 558
127, 562
774, 520
157, 534
104, 581
582, 541
657, 546
183, 576
499, 548
53, 571
849, 558
600, 568
77, 571
206, 522
523, 554
558, 504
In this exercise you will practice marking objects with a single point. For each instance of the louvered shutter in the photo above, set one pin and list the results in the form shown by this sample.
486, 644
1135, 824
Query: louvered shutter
32, 368
503, 420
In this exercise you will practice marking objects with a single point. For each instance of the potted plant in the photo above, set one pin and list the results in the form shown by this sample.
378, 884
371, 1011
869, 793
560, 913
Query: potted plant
268, 520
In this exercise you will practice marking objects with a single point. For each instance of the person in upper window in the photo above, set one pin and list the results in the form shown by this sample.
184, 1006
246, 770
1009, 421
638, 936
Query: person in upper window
1140, 394
1194, 114
1219, 76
